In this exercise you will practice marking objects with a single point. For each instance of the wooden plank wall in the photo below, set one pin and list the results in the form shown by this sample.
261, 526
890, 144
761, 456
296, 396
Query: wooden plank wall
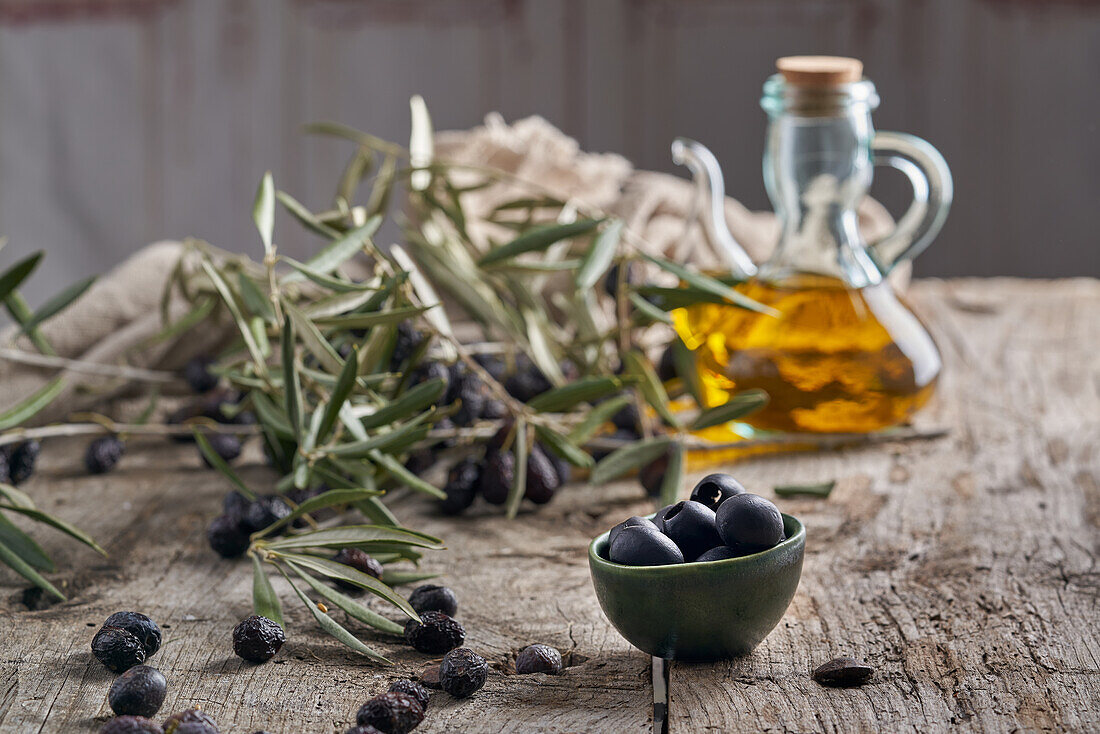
125, 122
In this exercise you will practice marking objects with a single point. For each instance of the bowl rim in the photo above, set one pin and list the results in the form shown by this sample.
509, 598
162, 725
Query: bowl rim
798, 536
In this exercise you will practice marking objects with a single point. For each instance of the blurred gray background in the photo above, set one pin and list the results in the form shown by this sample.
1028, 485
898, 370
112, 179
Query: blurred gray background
127, 121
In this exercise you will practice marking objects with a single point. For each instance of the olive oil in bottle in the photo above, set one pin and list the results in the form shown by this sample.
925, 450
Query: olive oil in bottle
835, 359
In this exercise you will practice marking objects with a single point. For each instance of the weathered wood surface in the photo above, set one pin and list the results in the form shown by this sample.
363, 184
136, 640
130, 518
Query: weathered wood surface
963, 568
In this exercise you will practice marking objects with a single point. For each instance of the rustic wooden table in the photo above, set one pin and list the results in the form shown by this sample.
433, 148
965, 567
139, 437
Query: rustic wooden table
963, 568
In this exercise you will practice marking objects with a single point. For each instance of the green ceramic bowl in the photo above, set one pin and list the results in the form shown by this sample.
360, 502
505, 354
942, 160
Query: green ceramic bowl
700, 611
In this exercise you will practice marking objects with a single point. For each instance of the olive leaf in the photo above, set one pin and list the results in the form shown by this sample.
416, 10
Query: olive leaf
822, 489
539, 238
24, 546
332, 627
16, 274
674, 474
364, 536
398, 471
24, 569
263, 210
227, 297
629, 457
345, 383
652, 389
710, 285
57, 304
563, 447
265, 602
738, 406
421, 145
24, 411
336, 253
351, 607
334, 570
583, 390
598, 258
597, 417
305, 217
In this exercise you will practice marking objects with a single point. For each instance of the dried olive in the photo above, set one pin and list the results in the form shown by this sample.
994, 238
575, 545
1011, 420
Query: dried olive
225, 445
652, 475
118, 649
461, 487
131, 725
191, 717
391, 713
463, 672
435, 633
227, 536
22, 459
412, 688
431, 598
843, 672
102, 454
538, 659
140, 626
139, 691
257, 639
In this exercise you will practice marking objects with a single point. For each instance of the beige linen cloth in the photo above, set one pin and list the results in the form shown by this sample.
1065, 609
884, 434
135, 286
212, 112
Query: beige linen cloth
122, 309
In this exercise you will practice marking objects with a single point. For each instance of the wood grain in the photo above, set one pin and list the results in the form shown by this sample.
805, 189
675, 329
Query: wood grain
964, 569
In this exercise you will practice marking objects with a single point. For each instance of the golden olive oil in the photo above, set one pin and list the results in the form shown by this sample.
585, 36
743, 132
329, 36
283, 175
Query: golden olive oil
835, 359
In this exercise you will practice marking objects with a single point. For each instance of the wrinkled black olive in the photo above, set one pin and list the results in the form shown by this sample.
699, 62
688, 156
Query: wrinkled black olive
266, 510
194, 717
140, 626
118, 649
432, 598
463, 672
102, 454
538, 659
257, 639
492, 364
714, 489
22, 459
843, 673
749, 521
139, 691
692, 528
227, 537
435, 633
412, 688
131, 725
472, 396
639, 546
391, 713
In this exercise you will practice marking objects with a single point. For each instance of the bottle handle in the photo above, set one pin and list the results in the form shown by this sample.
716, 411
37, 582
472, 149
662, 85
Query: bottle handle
932, 193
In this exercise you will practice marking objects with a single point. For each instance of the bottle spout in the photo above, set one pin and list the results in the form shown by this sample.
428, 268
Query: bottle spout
708, 178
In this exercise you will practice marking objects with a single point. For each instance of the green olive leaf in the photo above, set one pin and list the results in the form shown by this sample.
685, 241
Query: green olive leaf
674, 475
263, 210
351, 607
265, 602
539, 238
58, 303
30, 407
332, 627
738, 406
629, 457
25, 547
519, 482
24, 569
16, 274
599, 256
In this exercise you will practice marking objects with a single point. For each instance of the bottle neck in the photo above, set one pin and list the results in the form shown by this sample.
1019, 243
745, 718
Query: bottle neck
817, 169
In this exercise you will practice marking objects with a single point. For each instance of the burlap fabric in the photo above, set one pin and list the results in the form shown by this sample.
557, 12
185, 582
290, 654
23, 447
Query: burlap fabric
122, 310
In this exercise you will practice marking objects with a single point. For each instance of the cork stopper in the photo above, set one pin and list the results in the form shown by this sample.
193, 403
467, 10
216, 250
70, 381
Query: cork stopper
820, 71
